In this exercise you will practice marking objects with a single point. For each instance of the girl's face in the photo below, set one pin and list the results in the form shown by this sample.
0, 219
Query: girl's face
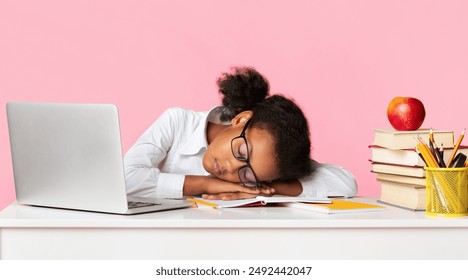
220, 157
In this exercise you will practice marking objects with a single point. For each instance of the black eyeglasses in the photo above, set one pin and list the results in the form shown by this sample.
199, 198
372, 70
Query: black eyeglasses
240, 150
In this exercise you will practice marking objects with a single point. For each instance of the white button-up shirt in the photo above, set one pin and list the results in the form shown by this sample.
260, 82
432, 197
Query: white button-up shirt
174, 145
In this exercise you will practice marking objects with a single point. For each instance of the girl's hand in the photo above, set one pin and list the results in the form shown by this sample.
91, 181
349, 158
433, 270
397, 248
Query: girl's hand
289, 188
264, 190
198, 185
229, 196
218, 186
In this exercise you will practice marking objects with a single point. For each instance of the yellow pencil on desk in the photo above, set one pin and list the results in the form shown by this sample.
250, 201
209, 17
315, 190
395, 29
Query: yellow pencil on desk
202, 202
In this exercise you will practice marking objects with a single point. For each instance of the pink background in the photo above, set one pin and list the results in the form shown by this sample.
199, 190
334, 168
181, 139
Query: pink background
343, 61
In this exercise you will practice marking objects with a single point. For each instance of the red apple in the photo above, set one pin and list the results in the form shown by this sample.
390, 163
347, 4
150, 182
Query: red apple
406, 113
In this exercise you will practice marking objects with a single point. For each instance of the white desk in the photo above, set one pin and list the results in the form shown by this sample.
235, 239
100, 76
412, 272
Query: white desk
244, 233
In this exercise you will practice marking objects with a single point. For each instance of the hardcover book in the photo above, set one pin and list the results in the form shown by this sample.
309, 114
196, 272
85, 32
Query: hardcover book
395, 139
401, 179
407, 157
407, 196
413, 171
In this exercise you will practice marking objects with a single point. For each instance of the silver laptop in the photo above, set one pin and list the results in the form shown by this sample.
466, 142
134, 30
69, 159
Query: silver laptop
70, 156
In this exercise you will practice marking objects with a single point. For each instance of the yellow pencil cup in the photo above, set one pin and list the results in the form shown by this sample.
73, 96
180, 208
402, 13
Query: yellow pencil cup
446, 191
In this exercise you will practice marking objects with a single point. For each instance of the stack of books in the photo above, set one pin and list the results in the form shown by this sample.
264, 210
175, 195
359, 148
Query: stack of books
399, 167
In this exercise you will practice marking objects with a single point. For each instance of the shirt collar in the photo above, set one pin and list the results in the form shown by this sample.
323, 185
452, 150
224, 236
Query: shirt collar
198, 140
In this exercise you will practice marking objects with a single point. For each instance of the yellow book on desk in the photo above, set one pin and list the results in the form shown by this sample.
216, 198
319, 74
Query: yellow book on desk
257, 201
337, 206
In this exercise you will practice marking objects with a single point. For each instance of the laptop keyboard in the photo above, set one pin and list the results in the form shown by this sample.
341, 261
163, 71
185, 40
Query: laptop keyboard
138, 204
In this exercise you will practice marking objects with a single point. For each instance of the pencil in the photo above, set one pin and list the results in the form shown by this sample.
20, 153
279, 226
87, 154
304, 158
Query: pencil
198, 201
429, 157
431, 142
421, 156
438, 156
455, 149
440, 153
426, 153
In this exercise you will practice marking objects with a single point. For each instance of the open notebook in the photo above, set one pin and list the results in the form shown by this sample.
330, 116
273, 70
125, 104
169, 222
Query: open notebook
259, 200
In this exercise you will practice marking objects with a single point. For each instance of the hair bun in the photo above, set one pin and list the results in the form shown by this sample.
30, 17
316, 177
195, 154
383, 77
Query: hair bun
243, 88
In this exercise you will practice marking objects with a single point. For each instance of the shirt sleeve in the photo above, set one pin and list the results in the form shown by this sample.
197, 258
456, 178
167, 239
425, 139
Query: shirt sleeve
142, 174
329, 180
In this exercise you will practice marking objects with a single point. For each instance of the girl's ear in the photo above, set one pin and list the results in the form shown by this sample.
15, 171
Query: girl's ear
242, 118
